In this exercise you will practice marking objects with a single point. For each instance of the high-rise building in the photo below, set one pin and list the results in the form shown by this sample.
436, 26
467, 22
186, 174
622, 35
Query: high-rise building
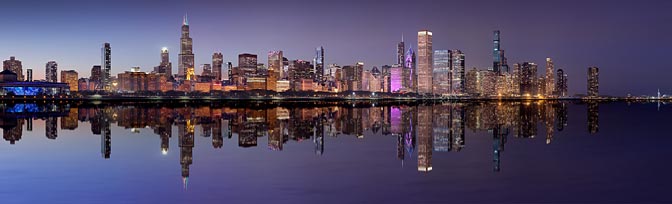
458, 72
95, 74
549, 79
396, 82
217, 63
442, 75
165, 67
497, 60
528, 79
409, 75
400, 52
207, 70
561, 84
51, 72
186, 56
29, 74
105, 80
70, 77
425, 62
247, 62
15, 66
593, 82
318, 63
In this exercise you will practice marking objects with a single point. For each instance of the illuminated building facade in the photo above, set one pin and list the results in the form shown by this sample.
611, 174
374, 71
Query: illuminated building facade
186, 56
409, 75
51, 72
561, 83
442, 75
106, 72
217, 63
593, 82
318, 63
458, 72
528, 79
15, 66
549, 80
425, 62
70, 77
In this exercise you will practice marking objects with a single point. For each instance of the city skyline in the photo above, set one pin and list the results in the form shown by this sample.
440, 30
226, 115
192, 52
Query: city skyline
575, 46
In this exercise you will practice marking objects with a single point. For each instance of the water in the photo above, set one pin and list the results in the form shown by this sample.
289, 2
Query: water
335, 153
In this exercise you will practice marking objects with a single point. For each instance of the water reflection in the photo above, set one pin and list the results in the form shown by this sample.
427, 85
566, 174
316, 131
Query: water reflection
420, 129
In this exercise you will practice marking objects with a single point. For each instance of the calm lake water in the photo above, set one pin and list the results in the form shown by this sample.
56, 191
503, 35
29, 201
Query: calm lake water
396, 152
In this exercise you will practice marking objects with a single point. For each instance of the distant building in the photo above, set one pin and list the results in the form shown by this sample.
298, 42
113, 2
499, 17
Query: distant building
409, 75
593, 82
70, 77
458, 71
9, 85
186, 56
561, 83
247, 62
217, 63
528, 79
318, 62
29, 74
51, 73
549, 80
165, 67
15, 66
425, 62
95, 73
105, 79
396, 81
400, 51
442, 75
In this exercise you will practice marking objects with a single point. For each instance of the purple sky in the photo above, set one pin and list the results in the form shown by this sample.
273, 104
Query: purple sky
624, 38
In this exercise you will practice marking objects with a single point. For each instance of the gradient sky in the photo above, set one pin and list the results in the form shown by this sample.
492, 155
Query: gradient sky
626, 39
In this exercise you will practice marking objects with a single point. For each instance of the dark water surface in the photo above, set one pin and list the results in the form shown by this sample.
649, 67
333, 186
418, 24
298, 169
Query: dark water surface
537, 151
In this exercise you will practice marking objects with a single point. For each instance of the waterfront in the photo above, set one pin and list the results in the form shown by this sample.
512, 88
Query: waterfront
339, 152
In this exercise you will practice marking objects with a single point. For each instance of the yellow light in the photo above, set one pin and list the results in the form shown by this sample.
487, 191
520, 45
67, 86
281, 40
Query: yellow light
164, 151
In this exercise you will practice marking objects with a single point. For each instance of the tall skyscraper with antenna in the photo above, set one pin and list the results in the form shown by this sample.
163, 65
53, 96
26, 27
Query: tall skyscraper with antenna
186, 56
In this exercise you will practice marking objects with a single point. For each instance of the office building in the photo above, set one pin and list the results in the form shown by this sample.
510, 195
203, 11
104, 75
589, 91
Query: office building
217, 63
51, 72
15, 66
458, 72
70, 77
105, 78
425, 62
186, 56
561, 84
442, 75
549, 80
593, 82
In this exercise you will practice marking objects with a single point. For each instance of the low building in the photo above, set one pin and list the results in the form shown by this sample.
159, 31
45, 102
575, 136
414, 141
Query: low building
9, 85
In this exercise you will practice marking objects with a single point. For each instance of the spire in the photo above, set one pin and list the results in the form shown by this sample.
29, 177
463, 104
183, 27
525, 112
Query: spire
402, 37
185, 21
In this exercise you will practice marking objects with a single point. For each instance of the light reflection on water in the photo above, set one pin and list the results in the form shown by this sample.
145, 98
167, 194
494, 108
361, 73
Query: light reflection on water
296, 152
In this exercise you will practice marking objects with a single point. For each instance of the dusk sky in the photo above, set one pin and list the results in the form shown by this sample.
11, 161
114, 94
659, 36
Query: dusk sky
628, 40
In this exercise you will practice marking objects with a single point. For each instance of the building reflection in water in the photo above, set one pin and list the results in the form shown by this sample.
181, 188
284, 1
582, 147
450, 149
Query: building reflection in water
421, 129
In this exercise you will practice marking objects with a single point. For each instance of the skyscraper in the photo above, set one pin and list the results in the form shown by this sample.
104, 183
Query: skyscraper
561, 84
458, 72
51, 72
319, 63
95, 74
593, 82
165, 67
186, 56
400, 51
107, 67
425, 62
442, 75
217, 63
29, 74
409, 73
528, 79
70, 77
247, 62
549, 80
15, 66
497, 60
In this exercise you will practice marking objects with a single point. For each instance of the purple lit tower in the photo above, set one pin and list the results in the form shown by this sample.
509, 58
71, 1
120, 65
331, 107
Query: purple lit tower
396, 82
409, 77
